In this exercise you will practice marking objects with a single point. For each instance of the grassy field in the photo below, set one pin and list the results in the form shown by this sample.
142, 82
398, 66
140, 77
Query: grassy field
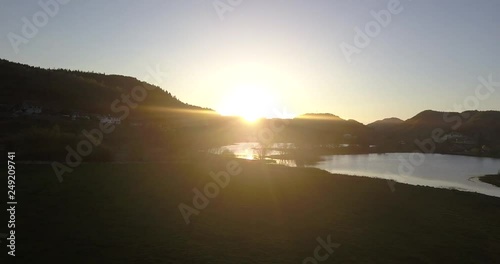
128, 213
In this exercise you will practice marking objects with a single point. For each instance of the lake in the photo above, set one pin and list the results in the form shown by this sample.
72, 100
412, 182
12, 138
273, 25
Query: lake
435, 170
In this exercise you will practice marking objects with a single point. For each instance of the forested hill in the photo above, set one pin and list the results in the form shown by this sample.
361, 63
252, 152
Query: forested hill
58, 90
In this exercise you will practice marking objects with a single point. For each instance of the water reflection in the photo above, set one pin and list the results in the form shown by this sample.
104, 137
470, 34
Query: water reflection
435, 170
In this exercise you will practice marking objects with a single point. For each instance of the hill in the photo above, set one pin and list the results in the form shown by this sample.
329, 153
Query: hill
320, 116
44, 111
60, 90
469, 132
386, 122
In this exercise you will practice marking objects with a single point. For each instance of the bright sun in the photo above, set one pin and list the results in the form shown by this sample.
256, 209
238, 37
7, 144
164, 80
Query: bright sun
251, 102
250, 117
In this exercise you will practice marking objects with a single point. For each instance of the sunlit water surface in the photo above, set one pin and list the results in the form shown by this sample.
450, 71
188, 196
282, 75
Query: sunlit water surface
435, 170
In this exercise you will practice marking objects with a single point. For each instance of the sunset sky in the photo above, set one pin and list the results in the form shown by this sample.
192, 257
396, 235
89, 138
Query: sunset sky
276, 55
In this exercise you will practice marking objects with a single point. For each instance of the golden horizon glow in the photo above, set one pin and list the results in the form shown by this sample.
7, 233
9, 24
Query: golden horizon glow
251, 118
250, 102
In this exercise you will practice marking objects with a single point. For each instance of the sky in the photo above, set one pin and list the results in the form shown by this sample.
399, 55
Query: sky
278, 57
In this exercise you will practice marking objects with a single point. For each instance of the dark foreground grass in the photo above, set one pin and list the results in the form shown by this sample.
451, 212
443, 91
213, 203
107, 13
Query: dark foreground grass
128, 213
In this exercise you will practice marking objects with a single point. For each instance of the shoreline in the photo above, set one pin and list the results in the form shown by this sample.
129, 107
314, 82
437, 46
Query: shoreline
493, 179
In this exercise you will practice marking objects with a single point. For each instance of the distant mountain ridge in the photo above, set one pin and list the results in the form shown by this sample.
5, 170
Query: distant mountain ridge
484, 124
320, 116
386, 121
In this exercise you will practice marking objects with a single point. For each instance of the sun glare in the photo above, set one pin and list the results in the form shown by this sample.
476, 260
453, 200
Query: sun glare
250, 102
251, 118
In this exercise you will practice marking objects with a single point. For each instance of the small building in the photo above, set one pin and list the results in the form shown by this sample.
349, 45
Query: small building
110, 120
78, 115
452, 136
